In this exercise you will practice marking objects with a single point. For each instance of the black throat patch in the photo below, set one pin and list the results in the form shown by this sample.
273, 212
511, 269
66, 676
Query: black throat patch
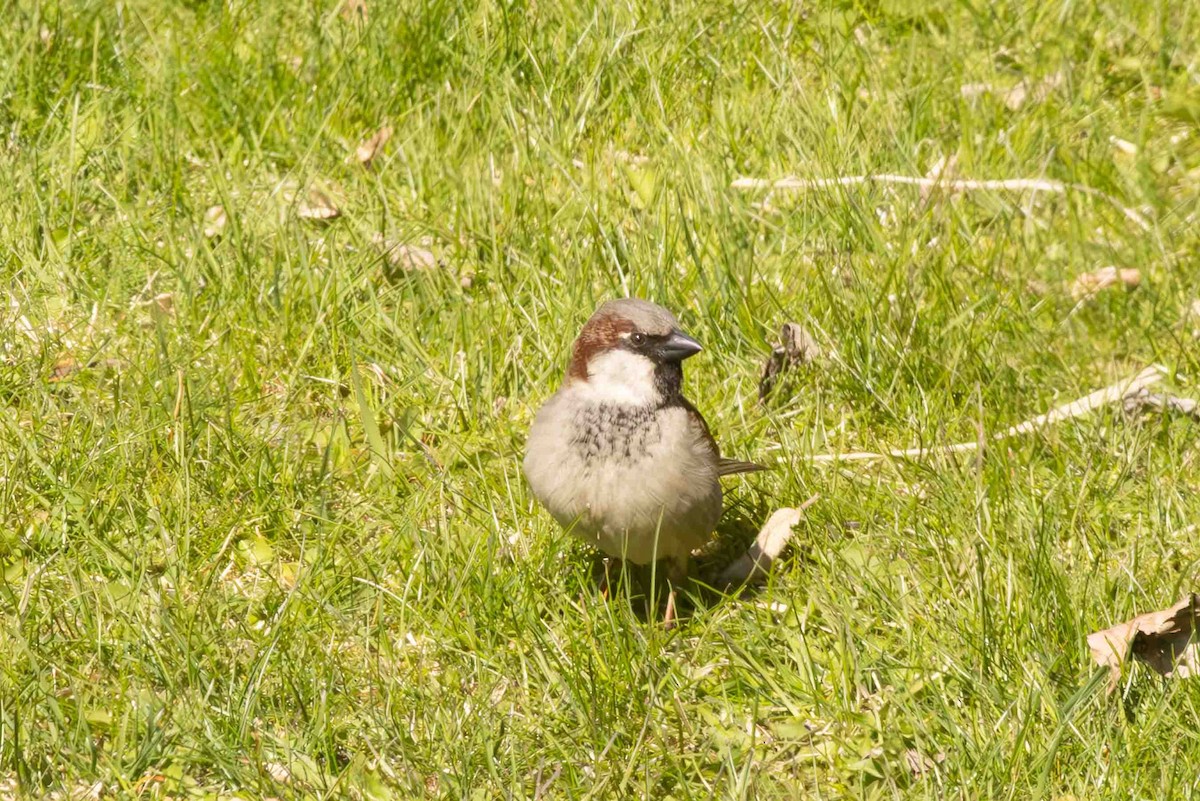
668, 381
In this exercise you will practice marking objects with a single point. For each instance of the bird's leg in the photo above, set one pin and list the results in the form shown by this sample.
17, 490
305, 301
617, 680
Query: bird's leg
677, 570
612, 566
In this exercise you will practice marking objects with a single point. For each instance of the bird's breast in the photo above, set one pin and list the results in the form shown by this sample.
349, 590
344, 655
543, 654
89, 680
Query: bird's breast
618, 434
636, 481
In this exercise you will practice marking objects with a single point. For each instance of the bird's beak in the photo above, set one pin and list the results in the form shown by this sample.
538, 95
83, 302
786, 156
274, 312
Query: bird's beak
678, 347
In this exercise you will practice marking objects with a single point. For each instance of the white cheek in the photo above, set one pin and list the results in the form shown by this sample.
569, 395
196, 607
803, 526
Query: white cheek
622, 378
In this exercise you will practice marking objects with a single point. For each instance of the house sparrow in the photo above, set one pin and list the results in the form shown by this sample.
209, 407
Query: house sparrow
618, 455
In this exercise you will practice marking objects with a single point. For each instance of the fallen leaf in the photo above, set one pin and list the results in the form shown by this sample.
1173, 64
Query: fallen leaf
63, 368
1123, 146
1030, 90
1163, 640
1147, 401
919, 764
87, 792
214, 222
354, 11
165, 302
369, 149
1037, 287
66, 366
753, 565
796, 346
970, 91
278, 773
160, 305
1089, 284
148, 780
1192, 316
636, 159
406, 258
1016, 96
318, 206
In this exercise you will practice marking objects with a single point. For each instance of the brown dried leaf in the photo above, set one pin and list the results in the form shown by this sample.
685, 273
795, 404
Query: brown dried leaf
405, 258
970, 91
215, 220
165, 302
1123, 146
1192, 317
354, 11
66, 366
278, 772
753, 565
626, 157
1146, 401
1031, 90
796, 346
919, 764
1163, 640
369, 149
63, 368
1088, 285
318, 206
1017, 96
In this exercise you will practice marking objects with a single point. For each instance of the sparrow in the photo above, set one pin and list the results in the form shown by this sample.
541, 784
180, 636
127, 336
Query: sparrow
618, 456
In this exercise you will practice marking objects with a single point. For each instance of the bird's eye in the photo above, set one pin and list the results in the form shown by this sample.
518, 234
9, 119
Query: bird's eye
637, 338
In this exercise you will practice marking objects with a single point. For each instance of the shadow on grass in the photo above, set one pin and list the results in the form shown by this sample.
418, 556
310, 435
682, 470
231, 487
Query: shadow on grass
646, 586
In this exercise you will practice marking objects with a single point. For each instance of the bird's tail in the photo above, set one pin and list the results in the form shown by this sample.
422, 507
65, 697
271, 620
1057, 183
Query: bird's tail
731, 467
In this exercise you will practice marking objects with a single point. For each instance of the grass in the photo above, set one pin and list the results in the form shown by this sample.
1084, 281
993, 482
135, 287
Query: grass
264, 527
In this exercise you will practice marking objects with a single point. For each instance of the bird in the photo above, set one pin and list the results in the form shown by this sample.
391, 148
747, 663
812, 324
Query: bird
618, 455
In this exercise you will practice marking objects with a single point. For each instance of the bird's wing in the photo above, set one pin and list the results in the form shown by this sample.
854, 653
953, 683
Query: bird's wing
725, 467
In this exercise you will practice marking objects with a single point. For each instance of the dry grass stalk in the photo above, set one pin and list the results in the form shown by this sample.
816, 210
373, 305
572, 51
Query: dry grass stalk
1077, 408
955, 185
1090, 284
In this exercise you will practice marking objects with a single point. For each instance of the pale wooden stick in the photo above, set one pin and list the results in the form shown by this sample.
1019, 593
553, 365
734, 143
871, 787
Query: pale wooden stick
956, 185
1076, 408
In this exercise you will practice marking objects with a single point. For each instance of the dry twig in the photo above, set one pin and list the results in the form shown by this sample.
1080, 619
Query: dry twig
954, 185
1112, 393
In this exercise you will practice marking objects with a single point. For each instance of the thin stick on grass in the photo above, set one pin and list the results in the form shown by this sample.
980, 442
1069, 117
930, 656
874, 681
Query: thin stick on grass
955, 185
1112, 393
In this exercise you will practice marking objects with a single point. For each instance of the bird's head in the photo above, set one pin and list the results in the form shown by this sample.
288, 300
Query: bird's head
630, 353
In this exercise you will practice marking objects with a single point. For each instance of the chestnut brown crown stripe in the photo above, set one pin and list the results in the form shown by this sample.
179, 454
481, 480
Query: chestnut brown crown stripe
598, 335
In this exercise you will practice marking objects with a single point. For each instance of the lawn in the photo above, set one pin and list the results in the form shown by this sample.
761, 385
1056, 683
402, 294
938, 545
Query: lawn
263, 528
